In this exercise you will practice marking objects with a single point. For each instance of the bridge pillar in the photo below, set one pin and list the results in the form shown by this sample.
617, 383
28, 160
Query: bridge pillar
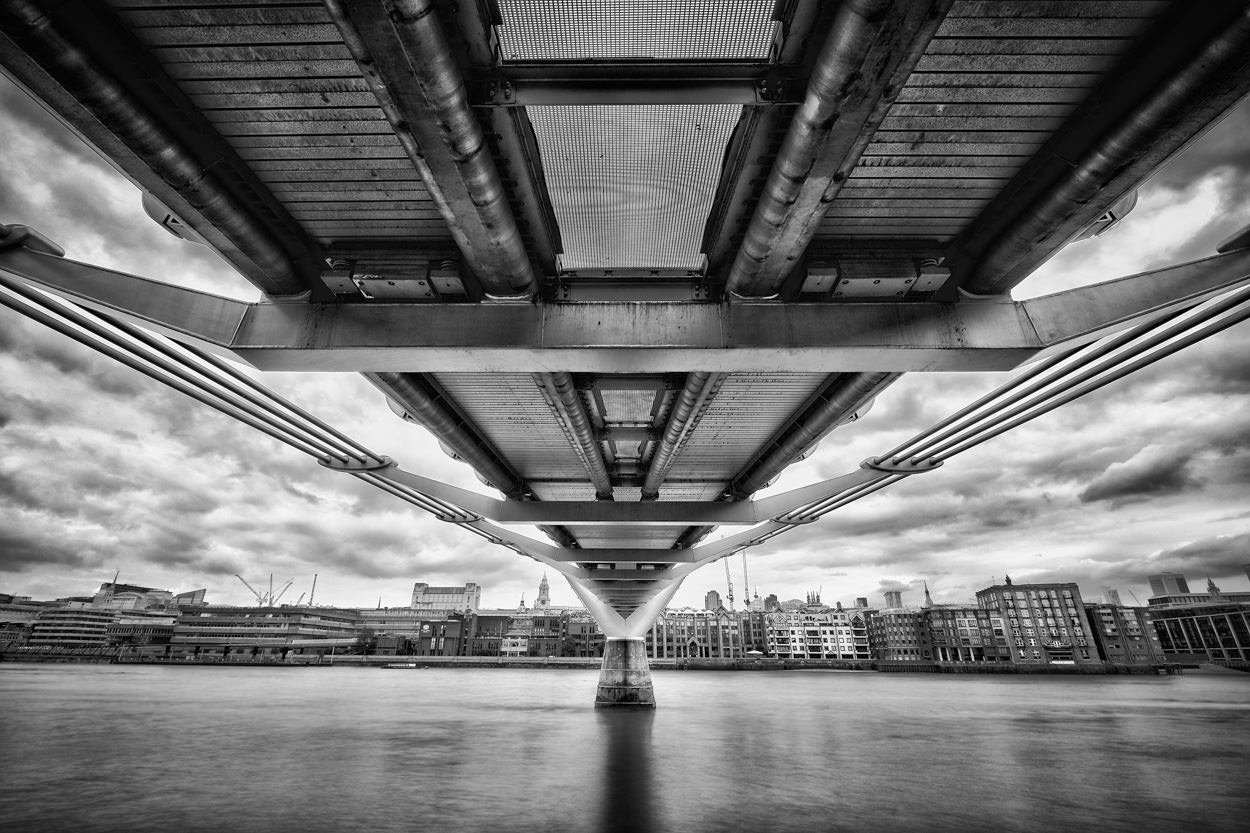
626, 676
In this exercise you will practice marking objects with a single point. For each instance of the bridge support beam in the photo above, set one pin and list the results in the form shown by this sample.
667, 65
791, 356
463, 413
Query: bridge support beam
626, 676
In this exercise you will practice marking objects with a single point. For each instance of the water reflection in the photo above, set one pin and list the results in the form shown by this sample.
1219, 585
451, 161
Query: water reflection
201, 750
628, 797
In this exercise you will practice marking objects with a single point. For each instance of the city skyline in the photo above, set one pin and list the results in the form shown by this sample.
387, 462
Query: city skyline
103, 470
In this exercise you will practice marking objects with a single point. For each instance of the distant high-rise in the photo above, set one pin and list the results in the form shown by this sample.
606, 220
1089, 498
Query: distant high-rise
893, 598
1168, 584
771, 602
711, 601
861, 601
1112, 596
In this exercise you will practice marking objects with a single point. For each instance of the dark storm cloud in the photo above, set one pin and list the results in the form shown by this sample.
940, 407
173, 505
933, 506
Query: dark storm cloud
1073, 461
32, 343
34, 121
1009, 514
1150, 473
1218, 556
1219, 366
15, 491
21, 549
1223, 149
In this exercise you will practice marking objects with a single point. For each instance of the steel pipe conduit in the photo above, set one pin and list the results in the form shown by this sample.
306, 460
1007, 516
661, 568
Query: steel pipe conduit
1045, 208
843, 398
407, 61
853, 71
421, 404
696, 391
112, 104
563, 394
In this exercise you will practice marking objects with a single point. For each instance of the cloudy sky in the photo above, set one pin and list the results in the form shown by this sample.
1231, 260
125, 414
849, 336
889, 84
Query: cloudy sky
102, 469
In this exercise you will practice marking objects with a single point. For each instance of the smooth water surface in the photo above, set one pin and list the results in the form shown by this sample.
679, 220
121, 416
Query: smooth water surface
143, 748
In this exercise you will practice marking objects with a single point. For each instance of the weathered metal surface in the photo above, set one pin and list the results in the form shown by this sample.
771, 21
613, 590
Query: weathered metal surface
871, 47
79, 57
405, 57
626, 337
997, 131
1186, 71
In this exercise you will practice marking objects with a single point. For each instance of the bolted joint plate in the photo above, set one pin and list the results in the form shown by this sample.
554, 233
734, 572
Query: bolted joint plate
352, 465
906, 467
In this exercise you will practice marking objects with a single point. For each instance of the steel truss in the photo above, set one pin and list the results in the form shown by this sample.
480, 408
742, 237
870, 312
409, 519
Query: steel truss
626, 587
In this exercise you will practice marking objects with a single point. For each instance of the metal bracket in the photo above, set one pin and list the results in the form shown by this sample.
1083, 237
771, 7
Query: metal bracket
335, 464
881, 464
464, 518
12, 236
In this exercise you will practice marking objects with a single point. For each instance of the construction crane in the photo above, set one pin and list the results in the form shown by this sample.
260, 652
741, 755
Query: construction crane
746, 581
266, 599
730, 582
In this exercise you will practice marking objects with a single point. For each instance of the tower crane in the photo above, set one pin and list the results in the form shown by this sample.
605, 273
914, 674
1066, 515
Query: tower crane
266, 599
729, 580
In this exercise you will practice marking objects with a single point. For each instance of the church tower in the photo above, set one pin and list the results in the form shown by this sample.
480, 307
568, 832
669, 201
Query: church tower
544, 595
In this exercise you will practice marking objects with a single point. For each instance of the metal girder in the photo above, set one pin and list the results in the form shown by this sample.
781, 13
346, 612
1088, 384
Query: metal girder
699, 388
871, 48
631, 513
1190, 68
408, 64
90, 69
566, 405
838, 400
412, 393
633, 83
635, 337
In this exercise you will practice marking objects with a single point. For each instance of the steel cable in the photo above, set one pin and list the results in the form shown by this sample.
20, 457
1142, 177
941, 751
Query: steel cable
1146, 341
51, 319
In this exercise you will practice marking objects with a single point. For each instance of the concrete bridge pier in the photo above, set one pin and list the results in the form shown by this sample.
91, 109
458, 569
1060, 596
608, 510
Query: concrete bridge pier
626, 676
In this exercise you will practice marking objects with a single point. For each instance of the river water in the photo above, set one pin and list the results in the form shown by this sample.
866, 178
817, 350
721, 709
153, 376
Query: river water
141, 748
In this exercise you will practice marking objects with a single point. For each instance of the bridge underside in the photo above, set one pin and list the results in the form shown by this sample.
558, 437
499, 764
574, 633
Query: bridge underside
630, 267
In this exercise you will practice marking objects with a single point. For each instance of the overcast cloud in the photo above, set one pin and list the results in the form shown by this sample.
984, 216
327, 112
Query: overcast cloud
103, 470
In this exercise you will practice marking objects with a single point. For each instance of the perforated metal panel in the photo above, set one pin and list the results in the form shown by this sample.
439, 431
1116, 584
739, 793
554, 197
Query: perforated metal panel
540, 30
628, 406
632, 186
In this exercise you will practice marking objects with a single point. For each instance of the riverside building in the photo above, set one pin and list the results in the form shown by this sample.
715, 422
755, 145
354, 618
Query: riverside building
901, 635
1124, 635
819, 632
696, 634
220, 631
1214, 629
1047, 621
